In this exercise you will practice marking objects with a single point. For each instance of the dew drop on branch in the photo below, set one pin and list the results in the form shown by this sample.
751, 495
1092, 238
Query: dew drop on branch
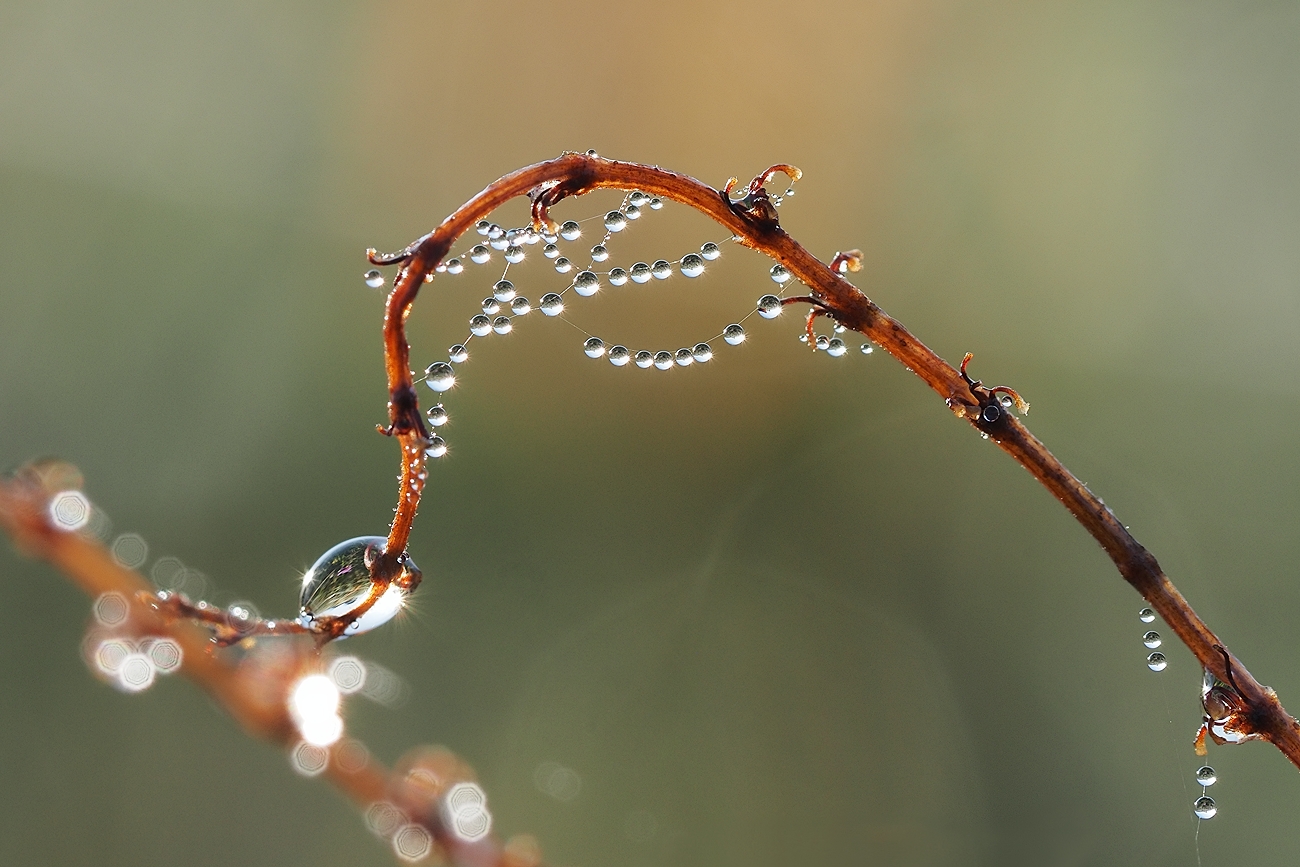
502, 325
503, 291
458, 353
692, 265
571, 231
684, 357
594, 347
619, 355
563, 265
480, 325
640, 273
437, 415
1206, 776
479, 254
374, 279
769, 307
1157, 661
1146, 615
663, 359
586, 283
550, 251
1151, 639
702, 352
455, 266
521, 306
710, 251
552, 304
615, 221
779, 274
644, 358
734, 334
599, 253
617, 277
439, 376
437, 447
1205, 808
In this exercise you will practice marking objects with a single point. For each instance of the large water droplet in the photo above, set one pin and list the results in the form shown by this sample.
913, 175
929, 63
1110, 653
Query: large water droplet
440, 376
594, 347
455, 266
644, 358
619, 355
615, 221
341, 580
1157, 661
552, 304
482, 227
437, 447
1206, 776
684, 357
702, 352
502, 325
779, 274
661, 269
480, 326
769, 307
656, 204
494, 231
867, 349
498, 243
514, 255
374, 279
563, 265
1151, 639
632, 212
550, 251
479, 254
503, 291
1146, 615
599, 253
663, 359
458, 354
734, 334
637, 198
586, 283
1205, 808
640, 273
520, 306
823, 342
437, 415
491, 306
617, 277
570, 231
710, 251
836, 348
692, 264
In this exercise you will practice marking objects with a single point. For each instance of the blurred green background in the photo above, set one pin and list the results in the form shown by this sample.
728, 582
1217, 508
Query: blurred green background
779, 609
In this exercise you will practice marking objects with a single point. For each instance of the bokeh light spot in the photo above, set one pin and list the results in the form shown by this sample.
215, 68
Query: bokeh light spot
130, 551
348, 674
69, 510
465, 811
412, 842
309, 759
557, 781
136, 672
383, 819
111, 609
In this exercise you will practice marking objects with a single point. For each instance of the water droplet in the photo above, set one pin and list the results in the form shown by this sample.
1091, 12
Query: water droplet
515, 236
640, 273
341, 580
503, 291
615, 221
532, 236
440, 376
638, 198
823, 342
437, 447
867, 349
1157, 661
836, 348
494, 231
692, 265
550, 237
599, 253
661, 269
839, 329
656, 204
779, 274
514, 255
374, 279
594, 347
734, 334
552, 304
550, 251
480, 326
437, 415
769, 307
1205, 808
1206, 776
1146, 615
1151, 639
479, 254
710, 251
702, 352
617, 277
586, 284
644, 358
663, 359
455, 266
482, 227
684, 357
632, 212
563, 265
458, 353
520, 306
491, 306
619, 355
570, 231
498, 243
502, 325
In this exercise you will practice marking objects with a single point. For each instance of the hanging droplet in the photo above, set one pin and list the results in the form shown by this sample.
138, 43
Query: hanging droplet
710, 251
531, 235
619, 355
839, 329
570, 231
498, 243
692, 264
823, 342
769, 307
615, 221
617, 277
458, 354
479, 254
455, 266
550, 251
491, 306
437, 447
836, 348
480, 326
644, 358
495, 231
502, 325
867, 349
661, 269
1206, 776
341, 580
640, 273
599, 253
684, 357
1146, 615
1205, 808
656, 204
779, 274
586, 284
515, 236
663, 359
550, 237
638, 198
734, 334
1157, 661
482, 227
632, 212
594, 347
439, 376
374, 279
503, 291
702, 352
520, 306
514, 255
437, 415
1151, 639
563, 265
552, 304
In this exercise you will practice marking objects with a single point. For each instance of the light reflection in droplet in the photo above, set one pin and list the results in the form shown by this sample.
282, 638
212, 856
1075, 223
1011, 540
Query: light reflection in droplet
383, 819
309, 759
348, 674
129, 551
314, 705
111, 609
412, 842
135, 673
465, 811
